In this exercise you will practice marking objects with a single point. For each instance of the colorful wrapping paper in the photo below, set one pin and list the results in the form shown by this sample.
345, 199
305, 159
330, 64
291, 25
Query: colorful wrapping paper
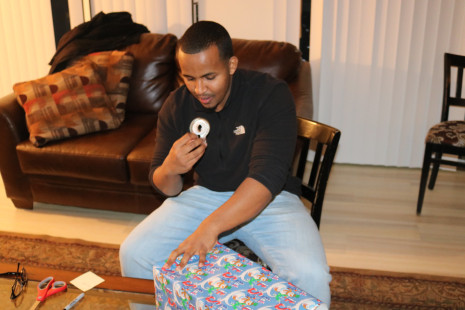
227, 281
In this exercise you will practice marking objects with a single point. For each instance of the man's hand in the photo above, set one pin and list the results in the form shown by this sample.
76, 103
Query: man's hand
184, 153
247, 202
199, 243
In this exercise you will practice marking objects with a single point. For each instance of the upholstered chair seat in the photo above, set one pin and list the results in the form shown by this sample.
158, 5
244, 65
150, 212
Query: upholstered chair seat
449, 133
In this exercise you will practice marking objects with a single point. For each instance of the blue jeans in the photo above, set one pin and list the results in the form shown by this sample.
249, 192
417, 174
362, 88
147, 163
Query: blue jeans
283, 235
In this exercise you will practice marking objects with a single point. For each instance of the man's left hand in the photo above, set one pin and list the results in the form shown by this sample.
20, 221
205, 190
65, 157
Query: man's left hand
199, 243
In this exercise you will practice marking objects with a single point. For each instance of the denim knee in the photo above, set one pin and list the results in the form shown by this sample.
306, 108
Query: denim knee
316, 282
312, 277
126, 257
135, 260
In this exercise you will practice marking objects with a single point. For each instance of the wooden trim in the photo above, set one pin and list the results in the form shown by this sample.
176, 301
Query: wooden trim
116, 283
60, 16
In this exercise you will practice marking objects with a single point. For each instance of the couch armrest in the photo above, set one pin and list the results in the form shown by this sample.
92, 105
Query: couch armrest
13, 130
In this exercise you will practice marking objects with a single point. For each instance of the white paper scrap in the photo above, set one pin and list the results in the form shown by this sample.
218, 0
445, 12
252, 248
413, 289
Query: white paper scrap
86, 281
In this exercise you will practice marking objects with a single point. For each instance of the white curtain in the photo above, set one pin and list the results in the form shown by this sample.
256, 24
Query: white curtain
258, 19
27, 41
377, 69
159, 16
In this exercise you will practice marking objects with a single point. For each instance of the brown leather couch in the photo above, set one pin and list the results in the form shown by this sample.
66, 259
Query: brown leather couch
109, 170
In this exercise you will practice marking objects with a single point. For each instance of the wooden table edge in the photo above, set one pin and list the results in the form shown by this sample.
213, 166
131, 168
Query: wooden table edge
117, 283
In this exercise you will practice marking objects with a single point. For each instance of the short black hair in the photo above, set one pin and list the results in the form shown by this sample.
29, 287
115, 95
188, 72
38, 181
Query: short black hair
203, 34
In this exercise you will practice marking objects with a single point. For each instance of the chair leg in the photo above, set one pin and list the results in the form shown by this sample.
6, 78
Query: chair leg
424, 178
434, 172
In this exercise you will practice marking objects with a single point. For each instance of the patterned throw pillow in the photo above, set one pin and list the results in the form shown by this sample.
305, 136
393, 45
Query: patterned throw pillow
114, 68
84, 98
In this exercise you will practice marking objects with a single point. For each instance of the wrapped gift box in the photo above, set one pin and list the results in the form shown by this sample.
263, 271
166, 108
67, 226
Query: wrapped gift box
227, 281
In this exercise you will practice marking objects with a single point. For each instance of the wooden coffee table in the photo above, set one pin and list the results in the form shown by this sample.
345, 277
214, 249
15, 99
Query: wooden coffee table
113, 293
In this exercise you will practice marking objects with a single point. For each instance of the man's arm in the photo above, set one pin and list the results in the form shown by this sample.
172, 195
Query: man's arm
250, 198
184, 153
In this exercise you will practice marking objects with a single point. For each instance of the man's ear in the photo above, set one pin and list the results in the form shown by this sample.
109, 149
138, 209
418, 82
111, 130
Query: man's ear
233, 63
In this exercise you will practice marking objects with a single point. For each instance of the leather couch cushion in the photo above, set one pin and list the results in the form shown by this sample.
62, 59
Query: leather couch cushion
98, 156
140, 158
153, 76
279, 59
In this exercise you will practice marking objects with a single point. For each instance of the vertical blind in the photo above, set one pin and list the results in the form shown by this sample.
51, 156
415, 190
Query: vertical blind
377, 70
27, 41
160, 16
278, 19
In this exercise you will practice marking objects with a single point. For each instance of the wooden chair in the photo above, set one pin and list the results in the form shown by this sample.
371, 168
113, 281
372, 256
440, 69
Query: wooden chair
448, 136
321, 141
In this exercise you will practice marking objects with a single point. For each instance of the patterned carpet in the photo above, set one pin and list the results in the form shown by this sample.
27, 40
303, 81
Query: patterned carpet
350, 288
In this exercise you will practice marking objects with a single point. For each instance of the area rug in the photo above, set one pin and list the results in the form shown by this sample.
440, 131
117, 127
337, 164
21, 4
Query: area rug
350, 288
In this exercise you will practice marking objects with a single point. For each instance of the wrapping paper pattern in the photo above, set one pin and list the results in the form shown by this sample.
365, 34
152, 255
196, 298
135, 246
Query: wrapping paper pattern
227, 281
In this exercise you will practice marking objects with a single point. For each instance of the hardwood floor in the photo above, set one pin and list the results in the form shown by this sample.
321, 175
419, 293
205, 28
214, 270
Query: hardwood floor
369, 221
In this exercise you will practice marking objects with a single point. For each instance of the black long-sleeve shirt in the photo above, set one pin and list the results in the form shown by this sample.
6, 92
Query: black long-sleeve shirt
254, 135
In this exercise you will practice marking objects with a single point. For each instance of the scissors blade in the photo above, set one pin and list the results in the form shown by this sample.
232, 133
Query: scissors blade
35, 305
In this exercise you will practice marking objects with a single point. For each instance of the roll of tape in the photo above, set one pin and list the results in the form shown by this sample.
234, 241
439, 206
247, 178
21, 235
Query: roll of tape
200, 127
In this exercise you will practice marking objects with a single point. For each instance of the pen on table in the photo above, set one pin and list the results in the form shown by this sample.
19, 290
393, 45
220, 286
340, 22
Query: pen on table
71, 304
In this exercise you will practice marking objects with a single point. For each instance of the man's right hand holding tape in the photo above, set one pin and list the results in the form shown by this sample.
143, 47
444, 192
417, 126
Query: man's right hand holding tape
183, 155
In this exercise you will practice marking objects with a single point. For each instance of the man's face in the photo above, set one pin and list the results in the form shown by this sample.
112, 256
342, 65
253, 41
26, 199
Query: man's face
207, 76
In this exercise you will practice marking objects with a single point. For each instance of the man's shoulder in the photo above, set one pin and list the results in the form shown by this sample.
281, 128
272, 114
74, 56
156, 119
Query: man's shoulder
176, 101
179, 96
180, 92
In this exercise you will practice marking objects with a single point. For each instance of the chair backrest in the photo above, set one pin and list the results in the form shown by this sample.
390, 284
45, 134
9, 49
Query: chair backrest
456, 99
322, 140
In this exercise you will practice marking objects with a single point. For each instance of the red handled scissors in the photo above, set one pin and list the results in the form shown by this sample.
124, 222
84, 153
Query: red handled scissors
48, 287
